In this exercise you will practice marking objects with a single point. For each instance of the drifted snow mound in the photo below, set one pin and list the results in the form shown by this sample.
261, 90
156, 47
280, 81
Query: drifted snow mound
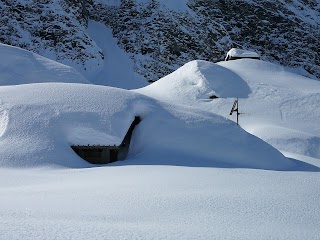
197, 80
18, 66
283, 108
39, 122
279, 107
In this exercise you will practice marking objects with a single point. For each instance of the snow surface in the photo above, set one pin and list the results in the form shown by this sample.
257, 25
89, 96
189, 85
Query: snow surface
18, 66
190, 173
113, 73
280, 107
158, 202
45, 119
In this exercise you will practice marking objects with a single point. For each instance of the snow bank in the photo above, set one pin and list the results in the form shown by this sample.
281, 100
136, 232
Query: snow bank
18, 66
40, 121
197, 80
280, 100
280, 107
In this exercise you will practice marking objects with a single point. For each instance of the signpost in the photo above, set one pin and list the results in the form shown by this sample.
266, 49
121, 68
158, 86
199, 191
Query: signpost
235, 108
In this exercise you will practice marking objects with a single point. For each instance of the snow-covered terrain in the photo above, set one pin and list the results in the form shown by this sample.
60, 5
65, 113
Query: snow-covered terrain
190, 174
113, 73
158, 202
280, 107
18, 66
45, 119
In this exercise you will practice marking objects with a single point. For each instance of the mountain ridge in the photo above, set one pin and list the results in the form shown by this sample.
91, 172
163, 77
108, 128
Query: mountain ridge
160, 36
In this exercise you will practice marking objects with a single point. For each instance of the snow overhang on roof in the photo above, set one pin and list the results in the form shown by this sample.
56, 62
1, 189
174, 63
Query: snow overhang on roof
240, 53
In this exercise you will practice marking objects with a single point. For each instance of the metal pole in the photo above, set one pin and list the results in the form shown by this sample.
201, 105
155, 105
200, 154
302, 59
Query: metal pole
238, 111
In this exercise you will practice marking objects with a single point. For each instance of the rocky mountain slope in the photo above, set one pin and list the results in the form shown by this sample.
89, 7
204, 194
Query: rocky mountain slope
52, 28
160, 35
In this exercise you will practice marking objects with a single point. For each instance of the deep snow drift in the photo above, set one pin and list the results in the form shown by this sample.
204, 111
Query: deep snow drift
281, 108
45, 119
39, 122
18, 66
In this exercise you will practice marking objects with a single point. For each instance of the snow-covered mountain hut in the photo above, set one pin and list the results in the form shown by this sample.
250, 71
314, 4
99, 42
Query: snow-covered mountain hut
236, 53
107, 154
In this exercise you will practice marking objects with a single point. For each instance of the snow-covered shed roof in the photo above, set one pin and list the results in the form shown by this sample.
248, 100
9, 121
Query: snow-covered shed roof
236, 53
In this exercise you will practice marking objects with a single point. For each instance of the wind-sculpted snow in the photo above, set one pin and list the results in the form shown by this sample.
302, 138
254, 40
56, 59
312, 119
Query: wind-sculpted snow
45, 119
288, 139
280, 107
197, 80
18, 66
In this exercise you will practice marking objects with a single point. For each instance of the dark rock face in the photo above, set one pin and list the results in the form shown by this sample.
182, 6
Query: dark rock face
55, 29
280, 32
160, 39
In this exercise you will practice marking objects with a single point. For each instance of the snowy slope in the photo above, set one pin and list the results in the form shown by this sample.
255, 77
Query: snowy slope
54, 29
18, 66
283, 108
280, 107
113, 73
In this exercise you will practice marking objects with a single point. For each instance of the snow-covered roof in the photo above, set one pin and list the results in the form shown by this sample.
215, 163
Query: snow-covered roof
241, 53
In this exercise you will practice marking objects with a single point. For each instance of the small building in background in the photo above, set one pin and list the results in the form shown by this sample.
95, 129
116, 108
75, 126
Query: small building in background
236, 53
